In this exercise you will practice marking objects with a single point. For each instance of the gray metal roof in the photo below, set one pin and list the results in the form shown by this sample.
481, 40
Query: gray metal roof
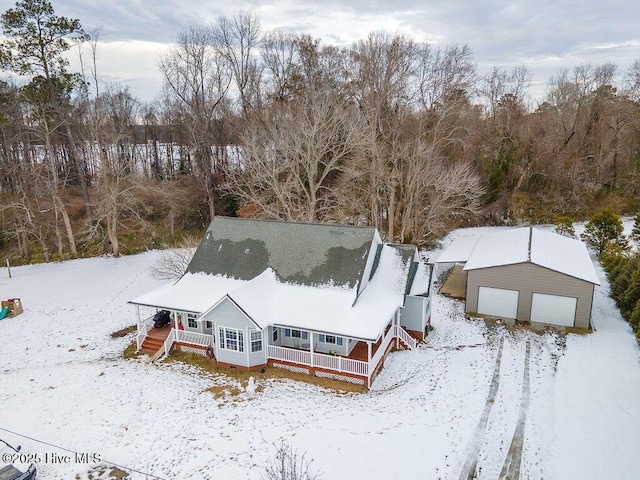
300, 253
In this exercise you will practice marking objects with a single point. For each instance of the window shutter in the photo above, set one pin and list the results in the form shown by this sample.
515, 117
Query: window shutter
339, 340
305, 335
321, 339
287, 332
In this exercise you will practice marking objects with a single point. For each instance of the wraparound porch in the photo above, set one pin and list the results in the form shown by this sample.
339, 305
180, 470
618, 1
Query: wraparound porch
360, 365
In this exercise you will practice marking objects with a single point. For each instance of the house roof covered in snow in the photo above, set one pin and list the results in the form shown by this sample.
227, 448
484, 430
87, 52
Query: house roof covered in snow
299, 253
194, 292
297, 275
546, 249
419, 281
268, 301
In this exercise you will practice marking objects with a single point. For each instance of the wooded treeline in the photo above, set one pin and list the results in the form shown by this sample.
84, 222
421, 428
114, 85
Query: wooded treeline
391, 132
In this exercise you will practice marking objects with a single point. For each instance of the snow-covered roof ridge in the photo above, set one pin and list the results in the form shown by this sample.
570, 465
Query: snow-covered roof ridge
256, 297
420, 285
392, 271
529, 244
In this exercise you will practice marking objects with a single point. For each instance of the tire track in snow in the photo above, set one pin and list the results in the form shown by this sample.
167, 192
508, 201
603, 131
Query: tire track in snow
511, 467
473, 447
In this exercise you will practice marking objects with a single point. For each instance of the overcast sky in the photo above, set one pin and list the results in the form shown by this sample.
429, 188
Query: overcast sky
544, 35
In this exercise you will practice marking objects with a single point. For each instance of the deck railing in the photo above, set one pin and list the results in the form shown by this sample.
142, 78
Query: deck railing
290, 355
193, 338
384, 344
320, 360
168, 343
143, 330
342, 364
404, 336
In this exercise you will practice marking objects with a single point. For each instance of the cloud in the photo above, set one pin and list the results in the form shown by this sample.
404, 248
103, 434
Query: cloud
544, 34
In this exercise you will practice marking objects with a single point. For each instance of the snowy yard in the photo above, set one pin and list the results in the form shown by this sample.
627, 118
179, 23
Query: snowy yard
63, 381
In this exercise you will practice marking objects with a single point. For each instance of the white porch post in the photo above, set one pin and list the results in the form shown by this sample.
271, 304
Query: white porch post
214, 331
266, 336
138, 313
311, 346
396, 321
247, 343
369, 369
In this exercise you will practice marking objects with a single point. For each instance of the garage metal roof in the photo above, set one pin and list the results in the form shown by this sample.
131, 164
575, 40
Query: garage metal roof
546, 249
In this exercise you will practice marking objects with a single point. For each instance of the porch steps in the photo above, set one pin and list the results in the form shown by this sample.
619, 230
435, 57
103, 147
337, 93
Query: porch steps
404, 345
151, 345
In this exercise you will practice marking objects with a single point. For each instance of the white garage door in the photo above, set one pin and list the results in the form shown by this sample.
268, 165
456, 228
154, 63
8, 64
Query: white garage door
498, 302
553, 309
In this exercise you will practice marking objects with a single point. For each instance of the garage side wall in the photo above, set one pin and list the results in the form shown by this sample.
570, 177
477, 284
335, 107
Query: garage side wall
528, 279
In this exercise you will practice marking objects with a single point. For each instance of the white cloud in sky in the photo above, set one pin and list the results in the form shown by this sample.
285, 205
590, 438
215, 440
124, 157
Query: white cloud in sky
544, 35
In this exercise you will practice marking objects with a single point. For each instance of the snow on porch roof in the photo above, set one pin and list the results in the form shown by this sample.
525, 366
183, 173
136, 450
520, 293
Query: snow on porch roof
546, 249
194, 292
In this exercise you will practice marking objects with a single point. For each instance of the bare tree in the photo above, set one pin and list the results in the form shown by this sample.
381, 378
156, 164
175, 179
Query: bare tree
632, 80
280, 58
291, 164
199, 76
35, 42
288, 464
383, 67
173, 263
238, 37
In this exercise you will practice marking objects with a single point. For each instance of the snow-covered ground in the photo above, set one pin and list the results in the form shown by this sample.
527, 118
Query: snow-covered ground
63, 381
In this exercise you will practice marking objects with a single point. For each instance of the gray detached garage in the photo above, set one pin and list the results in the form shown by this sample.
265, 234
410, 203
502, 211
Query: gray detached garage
532, 275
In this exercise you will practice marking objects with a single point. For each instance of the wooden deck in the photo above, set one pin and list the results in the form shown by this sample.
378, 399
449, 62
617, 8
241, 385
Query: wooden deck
155, 338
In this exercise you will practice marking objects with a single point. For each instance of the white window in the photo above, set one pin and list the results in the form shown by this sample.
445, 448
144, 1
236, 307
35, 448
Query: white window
289, 332
256, 340
330, 339
191, 320
231, 339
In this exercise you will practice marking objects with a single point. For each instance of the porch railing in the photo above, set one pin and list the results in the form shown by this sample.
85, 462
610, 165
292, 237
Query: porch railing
341, 364
193, 338
404, 336
330, 362
169, 341
384, 344
290, 355
143, 330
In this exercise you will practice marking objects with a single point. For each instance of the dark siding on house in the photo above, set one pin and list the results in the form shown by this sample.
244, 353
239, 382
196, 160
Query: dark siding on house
528, 279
